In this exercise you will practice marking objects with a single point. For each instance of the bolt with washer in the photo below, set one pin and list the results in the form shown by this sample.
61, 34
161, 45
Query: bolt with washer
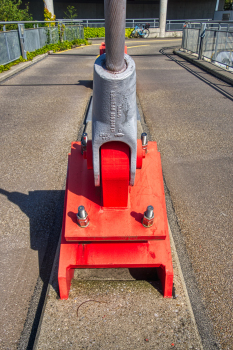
148, 218
84, 140
144, 141
82, 217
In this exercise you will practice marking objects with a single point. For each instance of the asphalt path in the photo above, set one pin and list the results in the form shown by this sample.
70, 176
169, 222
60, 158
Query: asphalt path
42, 111
189, 114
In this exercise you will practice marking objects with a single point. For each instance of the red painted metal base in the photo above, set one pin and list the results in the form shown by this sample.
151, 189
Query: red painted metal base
103, 48
115, 237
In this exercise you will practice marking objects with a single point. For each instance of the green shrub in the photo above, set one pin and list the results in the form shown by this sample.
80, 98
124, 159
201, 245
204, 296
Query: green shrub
94, 32
128, 32
10, 11
100, 32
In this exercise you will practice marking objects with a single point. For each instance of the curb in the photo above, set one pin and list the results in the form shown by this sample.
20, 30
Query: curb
21, 66
207, 66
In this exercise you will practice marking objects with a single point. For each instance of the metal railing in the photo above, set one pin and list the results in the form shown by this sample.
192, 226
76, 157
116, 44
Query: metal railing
16, 43
212, 41
171, 25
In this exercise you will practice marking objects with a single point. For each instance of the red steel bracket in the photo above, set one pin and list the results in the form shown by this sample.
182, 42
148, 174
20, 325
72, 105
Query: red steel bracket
116, 236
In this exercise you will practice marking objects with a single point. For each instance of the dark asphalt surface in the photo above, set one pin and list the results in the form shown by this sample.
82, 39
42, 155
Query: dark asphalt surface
190, 118
189, 114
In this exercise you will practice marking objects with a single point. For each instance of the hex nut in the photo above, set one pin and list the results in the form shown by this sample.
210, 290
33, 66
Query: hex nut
147, 222
83, 222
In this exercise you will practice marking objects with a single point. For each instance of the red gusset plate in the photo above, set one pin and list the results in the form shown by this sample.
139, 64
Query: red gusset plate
115, 224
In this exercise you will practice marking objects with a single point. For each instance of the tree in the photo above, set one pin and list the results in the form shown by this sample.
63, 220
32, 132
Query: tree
228, 5
10, 11
70, 13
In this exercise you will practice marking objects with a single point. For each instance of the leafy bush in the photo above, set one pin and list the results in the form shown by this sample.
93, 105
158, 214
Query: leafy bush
71, 12
100, 32
49, 17
10, 11
94, 32
128, 32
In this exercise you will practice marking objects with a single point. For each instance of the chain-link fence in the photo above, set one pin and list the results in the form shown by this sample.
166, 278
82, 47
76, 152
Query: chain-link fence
210, 41
9, 46
16, 43
72, 32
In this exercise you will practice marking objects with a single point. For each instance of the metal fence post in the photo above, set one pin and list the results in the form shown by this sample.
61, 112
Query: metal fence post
64, 31
216, 43
50, 34
7, 46
202, 35
22, 40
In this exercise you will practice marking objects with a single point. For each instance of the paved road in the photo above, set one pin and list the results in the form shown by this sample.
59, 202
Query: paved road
41, 113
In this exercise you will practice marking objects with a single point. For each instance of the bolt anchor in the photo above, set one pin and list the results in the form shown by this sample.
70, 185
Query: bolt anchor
84, 140
144, 141
148, 218
82, 217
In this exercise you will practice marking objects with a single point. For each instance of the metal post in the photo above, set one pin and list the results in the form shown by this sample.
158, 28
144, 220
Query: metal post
115, 16
216, 43
7, 46
21, 39
202, 35
4, 28
50, 34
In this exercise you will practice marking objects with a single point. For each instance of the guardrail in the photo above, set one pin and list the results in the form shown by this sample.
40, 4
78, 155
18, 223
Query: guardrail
212, 41
171, 25
16, 43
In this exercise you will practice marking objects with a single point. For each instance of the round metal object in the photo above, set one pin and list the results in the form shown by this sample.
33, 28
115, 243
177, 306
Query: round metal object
150, 211
144, 138
115, 16
82, 217
81, 211
148, 218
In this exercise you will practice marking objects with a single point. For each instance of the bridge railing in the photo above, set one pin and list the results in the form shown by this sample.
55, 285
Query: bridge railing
171, 25
16, 43
212, 41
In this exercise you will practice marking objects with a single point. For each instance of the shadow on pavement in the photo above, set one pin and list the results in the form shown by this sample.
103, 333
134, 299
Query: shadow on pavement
202, 75
86, 83
44, 210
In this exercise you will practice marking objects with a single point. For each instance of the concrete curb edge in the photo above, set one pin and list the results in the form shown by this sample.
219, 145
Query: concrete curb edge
21, 66
207, 66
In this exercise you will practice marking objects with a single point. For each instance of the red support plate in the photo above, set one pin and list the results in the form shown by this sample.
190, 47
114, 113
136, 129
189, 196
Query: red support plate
116, 236
115, 224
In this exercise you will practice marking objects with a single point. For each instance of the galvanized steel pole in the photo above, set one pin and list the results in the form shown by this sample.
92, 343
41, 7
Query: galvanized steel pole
115, 16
